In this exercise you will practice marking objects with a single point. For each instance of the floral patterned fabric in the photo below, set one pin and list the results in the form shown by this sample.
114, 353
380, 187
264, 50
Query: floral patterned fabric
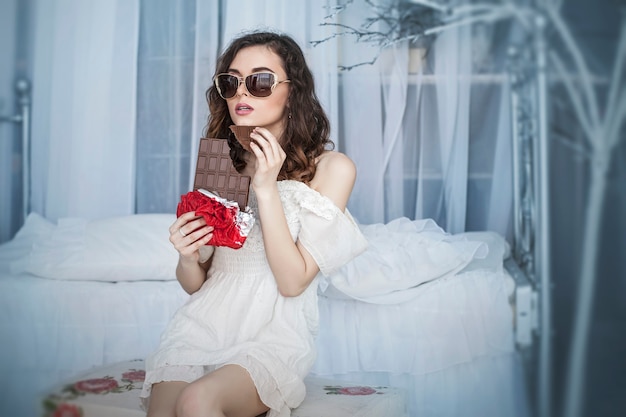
105, 391
114, 391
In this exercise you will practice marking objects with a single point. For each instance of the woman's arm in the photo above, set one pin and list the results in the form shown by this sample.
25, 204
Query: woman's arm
293, 267
190, 272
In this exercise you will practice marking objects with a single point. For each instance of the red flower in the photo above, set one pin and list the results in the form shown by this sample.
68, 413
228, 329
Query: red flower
96, 385
67, 410
134, 375
222, 218
356, 391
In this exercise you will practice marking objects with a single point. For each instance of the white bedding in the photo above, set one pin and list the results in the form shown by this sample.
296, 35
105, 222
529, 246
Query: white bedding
450, 345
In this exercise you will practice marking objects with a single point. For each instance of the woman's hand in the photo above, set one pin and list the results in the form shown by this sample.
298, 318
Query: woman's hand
188, 233
269, 159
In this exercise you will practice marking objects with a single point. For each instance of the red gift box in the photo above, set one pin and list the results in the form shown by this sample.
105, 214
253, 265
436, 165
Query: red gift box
231, 225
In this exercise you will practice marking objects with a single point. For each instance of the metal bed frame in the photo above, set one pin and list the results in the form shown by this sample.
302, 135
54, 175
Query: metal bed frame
530, 266
22, 88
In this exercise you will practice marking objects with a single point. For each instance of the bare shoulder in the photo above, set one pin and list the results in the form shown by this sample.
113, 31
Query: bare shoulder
334, 166
334, 177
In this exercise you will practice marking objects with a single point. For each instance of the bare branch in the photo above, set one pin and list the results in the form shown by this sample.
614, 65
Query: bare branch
496, 14
360, 64
613, 129
580, 150
338, 9
580, 63
432, 5
575, 98
616, 113
417, 23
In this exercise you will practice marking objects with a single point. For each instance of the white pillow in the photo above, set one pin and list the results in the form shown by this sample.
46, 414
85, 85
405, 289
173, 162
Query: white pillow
33, 229
129, 248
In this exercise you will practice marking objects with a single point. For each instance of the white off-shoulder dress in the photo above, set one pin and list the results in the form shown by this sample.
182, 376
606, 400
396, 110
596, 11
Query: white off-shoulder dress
239, 317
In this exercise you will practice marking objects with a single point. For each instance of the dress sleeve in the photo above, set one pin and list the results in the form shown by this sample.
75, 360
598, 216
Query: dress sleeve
331, 236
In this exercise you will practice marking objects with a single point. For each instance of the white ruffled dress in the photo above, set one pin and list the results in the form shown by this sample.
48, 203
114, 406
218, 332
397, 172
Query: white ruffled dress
239, 317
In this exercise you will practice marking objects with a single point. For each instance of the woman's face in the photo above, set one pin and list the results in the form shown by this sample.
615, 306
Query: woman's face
248, 110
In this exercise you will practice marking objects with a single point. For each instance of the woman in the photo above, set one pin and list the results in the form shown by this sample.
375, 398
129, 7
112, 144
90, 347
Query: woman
244, 341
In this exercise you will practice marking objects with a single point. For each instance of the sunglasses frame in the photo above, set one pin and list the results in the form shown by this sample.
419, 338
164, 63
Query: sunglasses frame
242, 80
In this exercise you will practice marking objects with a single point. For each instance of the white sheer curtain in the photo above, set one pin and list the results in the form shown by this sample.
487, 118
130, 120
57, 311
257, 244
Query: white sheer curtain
83, 126
170, 104
179, 43
431, 139
433, 143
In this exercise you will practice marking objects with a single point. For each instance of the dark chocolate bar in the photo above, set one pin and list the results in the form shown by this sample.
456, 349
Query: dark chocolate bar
215, 172
242, 134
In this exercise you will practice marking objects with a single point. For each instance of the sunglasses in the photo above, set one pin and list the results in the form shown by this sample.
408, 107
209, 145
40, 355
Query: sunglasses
260, 84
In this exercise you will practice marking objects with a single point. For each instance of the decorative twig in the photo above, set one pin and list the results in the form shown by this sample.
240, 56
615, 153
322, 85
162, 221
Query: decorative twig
616, 104
603, 139
573, 94
337, 9
578, 149
432, 5
476, 7
616, 122
579, 62
407, 25
363, 36
496, 14
400, 25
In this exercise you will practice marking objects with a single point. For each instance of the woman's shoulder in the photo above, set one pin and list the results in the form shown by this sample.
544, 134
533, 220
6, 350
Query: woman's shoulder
332, 164
335, 175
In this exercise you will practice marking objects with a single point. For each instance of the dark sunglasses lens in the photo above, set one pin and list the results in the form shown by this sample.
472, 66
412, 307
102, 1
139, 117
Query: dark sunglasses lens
260, 85
227, 85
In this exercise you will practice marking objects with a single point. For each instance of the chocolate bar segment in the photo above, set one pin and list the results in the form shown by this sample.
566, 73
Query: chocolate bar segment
242, 133
215, 172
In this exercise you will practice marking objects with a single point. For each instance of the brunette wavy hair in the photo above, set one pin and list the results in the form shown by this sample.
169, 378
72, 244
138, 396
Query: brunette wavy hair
307, 128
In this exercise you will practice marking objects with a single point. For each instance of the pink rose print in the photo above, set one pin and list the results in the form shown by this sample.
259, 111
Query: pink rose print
357, 391
134, 375
67, 410
96, 385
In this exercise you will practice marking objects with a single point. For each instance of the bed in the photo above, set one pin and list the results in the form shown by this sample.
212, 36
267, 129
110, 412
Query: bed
77, 294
